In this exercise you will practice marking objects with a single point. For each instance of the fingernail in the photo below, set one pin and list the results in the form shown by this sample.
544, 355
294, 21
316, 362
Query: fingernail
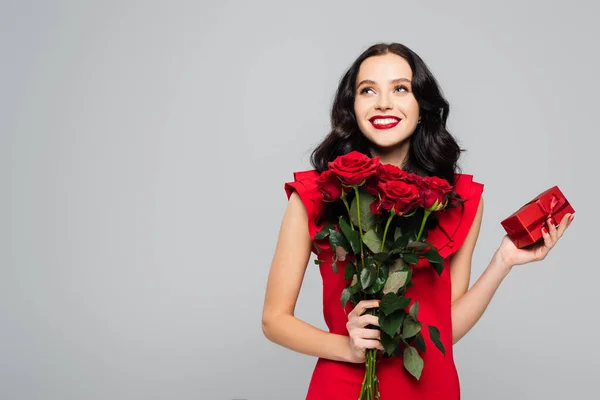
544, 229
571, 217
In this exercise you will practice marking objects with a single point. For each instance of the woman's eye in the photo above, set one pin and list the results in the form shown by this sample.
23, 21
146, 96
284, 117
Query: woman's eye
396, 88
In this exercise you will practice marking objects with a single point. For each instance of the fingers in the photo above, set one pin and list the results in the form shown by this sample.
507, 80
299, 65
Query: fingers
547, 239
364, 338
362, 305
368, 319
564, 224
369, 344
355, 322
552, 231
367, 339
366, 333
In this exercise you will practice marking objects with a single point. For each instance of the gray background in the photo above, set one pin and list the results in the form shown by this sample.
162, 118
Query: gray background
143, 151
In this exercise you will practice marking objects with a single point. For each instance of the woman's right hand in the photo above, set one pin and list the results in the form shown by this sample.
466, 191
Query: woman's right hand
362, 338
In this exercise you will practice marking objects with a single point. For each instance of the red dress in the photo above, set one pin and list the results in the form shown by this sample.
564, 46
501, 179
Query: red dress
336, 380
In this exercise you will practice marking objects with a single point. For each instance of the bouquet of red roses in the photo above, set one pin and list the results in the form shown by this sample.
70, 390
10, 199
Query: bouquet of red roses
380, 234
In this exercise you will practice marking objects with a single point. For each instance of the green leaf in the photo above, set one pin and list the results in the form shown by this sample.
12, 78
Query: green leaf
410, 327
317, 261
395, 281
380, 281
391, 323
397, 233
410, 258
410, 272
346, 293
434, 334
413, 362
367, 219
382, 257
420, 342
368, 276
414, 310
349, 270
356, 297
389, 343
324, 232
317, 248
401, 242
352, 236
417, 245
373, 241
391, 302
439, 268
434, 257
399, 265
344, 225
334, 267
336, 239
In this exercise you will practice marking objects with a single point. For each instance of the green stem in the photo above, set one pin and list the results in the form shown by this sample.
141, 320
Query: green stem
348, 209
351, 224
427, 212
387, 224
360, 231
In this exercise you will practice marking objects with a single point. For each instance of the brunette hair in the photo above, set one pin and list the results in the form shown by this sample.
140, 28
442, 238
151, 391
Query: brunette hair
433, 151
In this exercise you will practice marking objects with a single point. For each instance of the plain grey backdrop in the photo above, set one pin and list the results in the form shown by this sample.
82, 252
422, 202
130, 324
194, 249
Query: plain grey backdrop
143, 150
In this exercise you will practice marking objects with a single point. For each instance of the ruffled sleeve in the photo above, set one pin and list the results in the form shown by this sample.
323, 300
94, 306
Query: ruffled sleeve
455, 223
305, 183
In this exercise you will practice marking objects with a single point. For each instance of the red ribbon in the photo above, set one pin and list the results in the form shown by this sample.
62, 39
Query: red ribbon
556, 204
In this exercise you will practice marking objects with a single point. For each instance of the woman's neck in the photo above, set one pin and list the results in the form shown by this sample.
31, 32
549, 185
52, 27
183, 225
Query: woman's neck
393, 155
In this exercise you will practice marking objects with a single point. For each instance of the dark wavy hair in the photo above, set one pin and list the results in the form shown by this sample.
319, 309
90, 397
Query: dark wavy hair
433, 151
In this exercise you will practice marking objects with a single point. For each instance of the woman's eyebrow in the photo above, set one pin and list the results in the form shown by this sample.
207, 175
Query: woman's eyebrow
393, 81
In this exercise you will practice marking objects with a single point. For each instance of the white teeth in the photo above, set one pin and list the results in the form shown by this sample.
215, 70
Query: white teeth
384, 121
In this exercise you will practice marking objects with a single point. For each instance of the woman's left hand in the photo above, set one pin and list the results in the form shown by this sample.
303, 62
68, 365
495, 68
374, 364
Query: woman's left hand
510, 255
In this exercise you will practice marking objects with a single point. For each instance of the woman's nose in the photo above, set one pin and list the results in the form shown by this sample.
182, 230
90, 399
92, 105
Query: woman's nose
383, 103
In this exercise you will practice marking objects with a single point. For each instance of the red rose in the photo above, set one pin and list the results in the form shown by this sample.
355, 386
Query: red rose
414, 179
354, 168
432, 189
329, 186
401, 196
390, 172
385, 173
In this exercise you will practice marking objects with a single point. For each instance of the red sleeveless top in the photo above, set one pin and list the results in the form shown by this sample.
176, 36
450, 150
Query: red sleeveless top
336, 380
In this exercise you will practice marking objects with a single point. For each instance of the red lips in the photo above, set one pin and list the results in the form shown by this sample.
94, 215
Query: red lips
383, 116
384, 126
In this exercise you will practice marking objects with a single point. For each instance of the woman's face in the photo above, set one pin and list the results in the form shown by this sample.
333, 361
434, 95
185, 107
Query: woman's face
386, 109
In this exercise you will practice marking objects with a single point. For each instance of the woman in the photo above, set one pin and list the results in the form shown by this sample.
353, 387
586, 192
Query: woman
388, 105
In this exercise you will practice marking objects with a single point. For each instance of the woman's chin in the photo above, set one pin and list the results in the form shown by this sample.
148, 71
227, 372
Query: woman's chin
387, 143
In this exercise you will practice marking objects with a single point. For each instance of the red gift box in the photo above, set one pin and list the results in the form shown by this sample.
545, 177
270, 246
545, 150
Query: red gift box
524, 226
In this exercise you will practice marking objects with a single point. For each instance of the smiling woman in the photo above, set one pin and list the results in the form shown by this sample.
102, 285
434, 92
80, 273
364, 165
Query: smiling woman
381, 104
388, 105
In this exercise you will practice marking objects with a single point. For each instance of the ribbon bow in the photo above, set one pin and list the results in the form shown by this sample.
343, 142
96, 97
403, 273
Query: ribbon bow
556, 204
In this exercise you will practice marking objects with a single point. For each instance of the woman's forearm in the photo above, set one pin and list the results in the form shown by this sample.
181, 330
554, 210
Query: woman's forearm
295, 334
467, 310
